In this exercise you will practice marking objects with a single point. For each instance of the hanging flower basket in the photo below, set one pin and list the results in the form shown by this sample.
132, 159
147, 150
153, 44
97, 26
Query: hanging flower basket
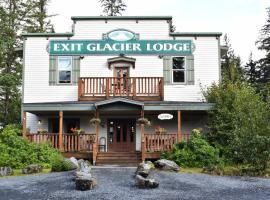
94, 121
144, 121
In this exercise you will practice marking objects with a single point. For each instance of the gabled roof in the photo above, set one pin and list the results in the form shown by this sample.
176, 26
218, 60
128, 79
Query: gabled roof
121, 59
118, 100
47, 34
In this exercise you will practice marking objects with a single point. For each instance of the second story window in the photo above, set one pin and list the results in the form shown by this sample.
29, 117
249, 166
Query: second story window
178, 70
64, 69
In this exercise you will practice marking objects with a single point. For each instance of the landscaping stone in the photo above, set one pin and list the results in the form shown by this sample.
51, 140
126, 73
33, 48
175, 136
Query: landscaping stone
142, 182
71, 164
85, 183
6, 171
31, 169
143, 169
74, 161
84, 166
167, 165
81, 175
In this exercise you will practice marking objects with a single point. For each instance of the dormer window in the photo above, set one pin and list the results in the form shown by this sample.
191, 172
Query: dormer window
178, 70
64, 69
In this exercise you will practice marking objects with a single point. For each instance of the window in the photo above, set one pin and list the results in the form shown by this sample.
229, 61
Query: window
178, 70
64, 69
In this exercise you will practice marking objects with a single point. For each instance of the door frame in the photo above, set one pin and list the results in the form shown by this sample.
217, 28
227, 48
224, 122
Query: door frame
111, 147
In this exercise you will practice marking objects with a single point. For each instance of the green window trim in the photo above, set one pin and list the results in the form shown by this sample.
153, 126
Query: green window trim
54, 72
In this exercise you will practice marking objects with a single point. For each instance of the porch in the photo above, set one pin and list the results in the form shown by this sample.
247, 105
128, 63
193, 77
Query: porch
119, 135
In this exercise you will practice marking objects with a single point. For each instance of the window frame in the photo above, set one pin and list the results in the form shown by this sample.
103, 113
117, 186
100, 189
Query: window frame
71, 74
185, 71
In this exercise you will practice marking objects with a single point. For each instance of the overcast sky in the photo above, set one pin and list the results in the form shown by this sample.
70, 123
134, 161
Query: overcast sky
240, 19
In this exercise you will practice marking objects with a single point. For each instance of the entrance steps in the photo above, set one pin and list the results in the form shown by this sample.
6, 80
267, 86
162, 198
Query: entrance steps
118, 158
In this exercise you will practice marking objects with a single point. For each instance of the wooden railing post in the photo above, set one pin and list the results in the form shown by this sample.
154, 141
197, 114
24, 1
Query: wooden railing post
24, 124
61, 147
134, 87
142, 138
179, 134
79, 88
161, 89
107, 88
95, 145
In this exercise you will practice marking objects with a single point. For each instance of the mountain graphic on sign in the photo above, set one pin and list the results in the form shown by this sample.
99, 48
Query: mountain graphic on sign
121, 35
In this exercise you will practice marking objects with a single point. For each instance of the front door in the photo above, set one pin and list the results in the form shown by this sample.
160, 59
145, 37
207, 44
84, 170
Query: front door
121, 81
121, 135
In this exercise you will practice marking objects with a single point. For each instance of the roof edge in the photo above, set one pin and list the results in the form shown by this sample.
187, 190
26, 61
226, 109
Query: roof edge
121, 17
197, 34
47, 34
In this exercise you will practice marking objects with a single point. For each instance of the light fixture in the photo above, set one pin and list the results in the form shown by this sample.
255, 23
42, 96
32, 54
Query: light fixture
39, 121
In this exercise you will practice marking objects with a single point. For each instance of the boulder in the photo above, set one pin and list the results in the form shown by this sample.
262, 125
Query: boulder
31, 169
6, 171
84, 166
74, 161
85, 183
142, 182
143, 169
81, 175
70, 165
167, 165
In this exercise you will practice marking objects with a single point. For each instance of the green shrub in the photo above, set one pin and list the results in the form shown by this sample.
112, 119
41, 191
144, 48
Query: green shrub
196, 152
59, 164
239, 125
17, 152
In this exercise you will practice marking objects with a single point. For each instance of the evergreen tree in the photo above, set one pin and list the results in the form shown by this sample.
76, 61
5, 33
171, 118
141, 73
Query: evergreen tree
264, 45
113, 7
38, 19
15, 17
252, 74
231, 64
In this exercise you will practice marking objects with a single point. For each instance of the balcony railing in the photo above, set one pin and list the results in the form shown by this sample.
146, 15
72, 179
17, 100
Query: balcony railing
138, 88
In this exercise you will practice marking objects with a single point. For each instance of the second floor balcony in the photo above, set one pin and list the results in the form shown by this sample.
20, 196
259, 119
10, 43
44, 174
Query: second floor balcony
137, 88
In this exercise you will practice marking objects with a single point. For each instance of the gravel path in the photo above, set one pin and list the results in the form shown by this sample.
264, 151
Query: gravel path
118, 183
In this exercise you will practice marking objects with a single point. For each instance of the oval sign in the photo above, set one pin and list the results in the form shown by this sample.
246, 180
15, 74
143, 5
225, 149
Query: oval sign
121, 35
165, 116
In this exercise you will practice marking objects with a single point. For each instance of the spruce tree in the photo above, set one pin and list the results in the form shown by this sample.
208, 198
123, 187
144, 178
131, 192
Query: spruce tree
252, 73
113, 7
264, 45
231, 64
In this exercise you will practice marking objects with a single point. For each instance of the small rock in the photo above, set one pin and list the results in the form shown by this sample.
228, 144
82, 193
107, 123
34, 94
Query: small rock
142, 182
143, 169
85, 183
167, 165
74, 161
6, 171
84, 166
31, 169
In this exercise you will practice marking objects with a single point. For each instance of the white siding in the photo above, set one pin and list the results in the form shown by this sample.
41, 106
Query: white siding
148, 29
36, 72
206, 71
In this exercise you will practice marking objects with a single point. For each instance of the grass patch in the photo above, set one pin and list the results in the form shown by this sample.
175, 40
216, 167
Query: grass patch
191, 170
18, 172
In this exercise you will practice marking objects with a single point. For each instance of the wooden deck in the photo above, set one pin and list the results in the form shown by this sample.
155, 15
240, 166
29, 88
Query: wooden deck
137, 88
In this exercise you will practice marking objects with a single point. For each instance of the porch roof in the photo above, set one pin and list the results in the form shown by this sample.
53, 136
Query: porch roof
91, 105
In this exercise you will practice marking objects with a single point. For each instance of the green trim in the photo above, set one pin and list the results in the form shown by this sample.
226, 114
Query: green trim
91, 106
117, 100
121, 59
197, 34
47, 34
121, 17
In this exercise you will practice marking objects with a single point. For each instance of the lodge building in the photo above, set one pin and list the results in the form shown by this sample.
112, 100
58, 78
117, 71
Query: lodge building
117, 90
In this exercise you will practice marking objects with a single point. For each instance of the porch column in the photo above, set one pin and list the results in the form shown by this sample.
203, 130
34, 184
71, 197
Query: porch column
95, 148
60, 136
24, 124
179, 133
142, 138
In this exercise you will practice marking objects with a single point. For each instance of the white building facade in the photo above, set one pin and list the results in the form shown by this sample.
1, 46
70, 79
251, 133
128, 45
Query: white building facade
113, 71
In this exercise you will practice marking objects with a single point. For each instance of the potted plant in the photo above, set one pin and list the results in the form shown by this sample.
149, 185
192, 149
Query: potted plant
94, 121
42, 131
143, 121
76, 130
160, 130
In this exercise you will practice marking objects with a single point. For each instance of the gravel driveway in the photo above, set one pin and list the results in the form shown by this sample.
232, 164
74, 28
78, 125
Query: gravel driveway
118, 183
